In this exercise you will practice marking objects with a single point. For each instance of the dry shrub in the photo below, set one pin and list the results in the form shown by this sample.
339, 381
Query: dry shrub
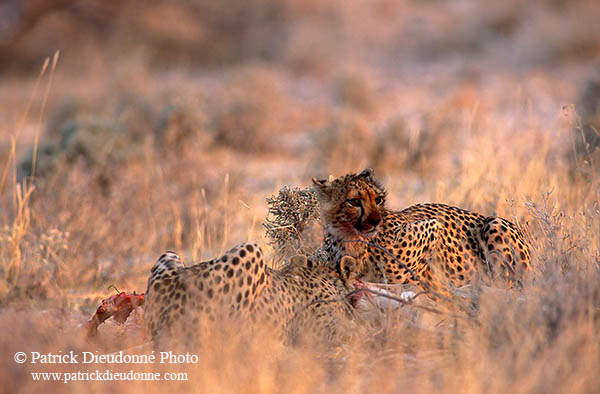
252, 112
355, 91
31, 260
46, 157
242, 126
97, 141
105, 145
292, 222
41, 274
179, 127
421, 150
344, 146
537, 33
353, 142
64, 243
100, 145
586, 127
198, 32
134, 114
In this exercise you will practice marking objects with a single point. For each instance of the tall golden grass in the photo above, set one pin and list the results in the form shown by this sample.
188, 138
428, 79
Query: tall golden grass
494, 140
63, 242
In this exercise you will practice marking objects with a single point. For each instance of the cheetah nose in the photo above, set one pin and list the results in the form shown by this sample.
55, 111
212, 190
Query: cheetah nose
374, 220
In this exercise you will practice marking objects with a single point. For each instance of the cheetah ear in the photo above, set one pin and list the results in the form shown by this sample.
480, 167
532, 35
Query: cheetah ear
348, 269
319, 182
367, 173
299, 260
322, 187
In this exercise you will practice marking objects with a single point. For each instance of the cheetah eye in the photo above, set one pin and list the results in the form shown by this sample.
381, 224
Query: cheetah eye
355, 202
378, 200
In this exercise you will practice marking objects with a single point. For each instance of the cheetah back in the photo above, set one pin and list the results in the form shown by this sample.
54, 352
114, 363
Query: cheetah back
238, 288
435, 245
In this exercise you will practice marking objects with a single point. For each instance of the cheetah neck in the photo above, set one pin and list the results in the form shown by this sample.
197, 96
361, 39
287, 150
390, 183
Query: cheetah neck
337, 246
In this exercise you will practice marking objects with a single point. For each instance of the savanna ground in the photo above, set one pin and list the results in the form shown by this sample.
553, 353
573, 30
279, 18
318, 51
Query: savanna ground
167, 125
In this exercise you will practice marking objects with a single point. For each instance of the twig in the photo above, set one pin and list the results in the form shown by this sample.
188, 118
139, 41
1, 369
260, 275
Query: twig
415, 277
425, 285
393, 298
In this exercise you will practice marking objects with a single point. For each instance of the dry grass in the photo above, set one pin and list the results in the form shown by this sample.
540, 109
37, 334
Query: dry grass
132, 160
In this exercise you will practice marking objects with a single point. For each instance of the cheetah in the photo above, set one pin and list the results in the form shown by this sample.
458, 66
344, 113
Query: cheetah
444, 247
239, 288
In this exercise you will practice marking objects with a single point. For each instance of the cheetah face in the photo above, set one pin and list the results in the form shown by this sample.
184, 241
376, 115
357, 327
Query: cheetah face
351, 205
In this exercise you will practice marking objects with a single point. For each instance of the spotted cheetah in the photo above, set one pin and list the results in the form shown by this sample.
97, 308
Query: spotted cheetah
444, 246
240, 288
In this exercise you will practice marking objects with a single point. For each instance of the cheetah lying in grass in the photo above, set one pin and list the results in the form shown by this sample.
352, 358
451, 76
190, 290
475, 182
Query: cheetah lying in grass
239, 287
443, 247
433, 245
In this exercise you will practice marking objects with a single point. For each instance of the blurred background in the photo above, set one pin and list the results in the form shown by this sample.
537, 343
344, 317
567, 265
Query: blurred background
168, 123
292, 77
165, 125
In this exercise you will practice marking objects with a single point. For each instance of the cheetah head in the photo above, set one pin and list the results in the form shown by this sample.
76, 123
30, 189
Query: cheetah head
351, 205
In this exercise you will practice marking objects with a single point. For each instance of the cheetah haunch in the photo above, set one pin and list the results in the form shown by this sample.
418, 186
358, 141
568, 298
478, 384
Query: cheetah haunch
239, 288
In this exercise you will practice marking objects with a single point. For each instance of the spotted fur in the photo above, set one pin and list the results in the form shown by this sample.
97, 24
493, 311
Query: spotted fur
444, 246
239, 288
